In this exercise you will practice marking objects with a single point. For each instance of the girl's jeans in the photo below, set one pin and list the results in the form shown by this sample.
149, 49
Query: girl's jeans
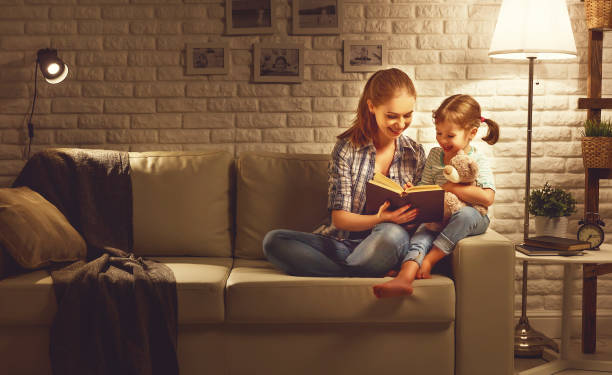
465, 222
308, 254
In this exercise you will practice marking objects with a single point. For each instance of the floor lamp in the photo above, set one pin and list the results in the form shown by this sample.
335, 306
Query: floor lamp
528, 29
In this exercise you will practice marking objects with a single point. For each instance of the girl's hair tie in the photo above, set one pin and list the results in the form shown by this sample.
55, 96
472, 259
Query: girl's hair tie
482, 119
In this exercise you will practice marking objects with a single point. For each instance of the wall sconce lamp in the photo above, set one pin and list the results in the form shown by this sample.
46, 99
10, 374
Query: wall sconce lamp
55, 71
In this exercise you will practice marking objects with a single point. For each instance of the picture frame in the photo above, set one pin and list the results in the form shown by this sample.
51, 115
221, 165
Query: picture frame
249, 17
364, 55
207, 58
317, 16
278, 62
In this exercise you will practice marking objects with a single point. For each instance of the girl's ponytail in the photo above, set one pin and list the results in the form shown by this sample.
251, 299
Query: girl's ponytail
492, 133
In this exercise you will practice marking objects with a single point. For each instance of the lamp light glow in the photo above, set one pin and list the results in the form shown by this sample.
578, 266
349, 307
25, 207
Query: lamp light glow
52, 67
528, 28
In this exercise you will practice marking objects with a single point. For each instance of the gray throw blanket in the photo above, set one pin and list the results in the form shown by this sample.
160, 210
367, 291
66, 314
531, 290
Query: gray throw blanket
117, 313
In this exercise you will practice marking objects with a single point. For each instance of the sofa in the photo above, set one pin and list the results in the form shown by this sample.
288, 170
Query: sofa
204, 215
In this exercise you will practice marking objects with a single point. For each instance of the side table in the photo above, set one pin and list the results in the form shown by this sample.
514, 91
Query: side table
589, 259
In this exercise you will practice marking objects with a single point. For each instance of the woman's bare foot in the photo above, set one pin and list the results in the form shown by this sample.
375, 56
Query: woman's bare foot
433, 256
393, 288
391, 273
401, 285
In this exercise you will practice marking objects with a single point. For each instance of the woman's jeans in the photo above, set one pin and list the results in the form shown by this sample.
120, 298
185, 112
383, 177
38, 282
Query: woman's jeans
308, 254
465, 222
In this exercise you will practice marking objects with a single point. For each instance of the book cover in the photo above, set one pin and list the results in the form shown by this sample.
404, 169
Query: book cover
541, 251
557, 243
429, 199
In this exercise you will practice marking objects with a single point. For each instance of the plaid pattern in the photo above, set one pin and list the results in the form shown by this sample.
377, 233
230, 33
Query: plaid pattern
351, 167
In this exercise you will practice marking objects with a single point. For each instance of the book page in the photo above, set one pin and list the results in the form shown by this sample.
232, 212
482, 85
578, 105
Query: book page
384, 181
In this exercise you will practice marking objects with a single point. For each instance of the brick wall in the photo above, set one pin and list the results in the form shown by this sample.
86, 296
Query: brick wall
127, 90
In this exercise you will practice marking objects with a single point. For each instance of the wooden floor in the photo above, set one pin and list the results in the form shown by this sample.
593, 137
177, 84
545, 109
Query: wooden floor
603, 353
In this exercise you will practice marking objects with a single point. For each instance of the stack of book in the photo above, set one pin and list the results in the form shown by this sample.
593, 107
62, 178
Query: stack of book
549, 245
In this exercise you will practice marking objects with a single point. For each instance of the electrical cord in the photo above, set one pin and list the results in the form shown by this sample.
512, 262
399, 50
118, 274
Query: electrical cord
30, 125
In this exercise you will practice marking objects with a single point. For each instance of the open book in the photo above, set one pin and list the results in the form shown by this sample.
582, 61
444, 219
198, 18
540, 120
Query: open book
429, 199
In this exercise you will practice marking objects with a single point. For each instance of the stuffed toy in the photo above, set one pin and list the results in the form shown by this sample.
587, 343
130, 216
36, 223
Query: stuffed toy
464, 170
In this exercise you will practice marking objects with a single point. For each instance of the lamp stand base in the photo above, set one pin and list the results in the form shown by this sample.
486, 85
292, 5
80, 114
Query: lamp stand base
529, 343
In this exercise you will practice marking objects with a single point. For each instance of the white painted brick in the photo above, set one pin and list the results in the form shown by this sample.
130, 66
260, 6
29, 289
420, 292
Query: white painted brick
10, 152
102, 58
55, 121
301, 120
208, 27
210, 89
10, 121
418, 27
159, 27
53, 27
288, 135
86, 43
110, 89
440, 72
441, 11
232, 105
23, 43
24, 12
496, 71
262, 120
483, 12
248, 135
309, 148
130, 74
72, 12
332, 73
129, 42
80, 137
208, 120
156, 58
128, 12
353, 11
90, 74
184, 136
327, 135
389, 11
129, 106
245, 89
270, 147
103, 121
181, 12
160, 89
181, 105
73, 105
285, 105
335, 104
314, 57
414, 57
317, 89
439, 42
156, 121
11, 167
469, 27
12, 27
103, 27
479, 41
132, 136
222, 136
378, 26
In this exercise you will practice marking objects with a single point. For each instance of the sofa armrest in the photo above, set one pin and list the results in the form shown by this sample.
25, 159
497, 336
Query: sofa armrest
483, 268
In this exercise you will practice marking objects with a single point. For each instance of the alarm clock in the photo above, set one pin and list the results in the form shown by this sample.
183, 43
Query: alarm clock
591, 232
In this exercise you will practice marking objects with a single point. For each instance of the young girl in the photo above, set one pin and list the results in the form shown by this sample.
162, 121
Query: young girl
353, 243
457, 121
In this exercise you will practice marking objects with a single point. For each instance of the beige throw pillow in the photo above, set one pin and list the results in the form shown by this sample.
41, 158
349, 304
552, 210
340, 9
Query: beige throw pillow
34, 232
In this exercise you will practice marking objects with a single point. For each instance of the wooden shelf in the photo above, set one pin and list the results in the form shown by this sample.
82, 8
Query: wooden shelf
595, 103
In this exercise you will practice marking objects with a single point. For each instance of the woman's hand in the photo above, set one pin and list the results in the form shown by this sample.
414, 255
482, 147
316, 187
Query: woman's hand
400, 216
408, 185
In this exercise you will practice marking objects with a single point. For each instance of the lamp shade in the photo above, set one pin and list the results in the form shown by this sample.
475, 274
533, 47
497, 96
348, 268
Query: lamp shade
533, 28
52, 67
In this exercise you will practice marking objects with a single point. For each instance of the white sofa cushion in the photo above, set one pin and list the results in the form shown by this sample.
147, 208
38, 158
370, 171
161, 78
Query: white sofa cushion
181, 203
258, 293
28, 299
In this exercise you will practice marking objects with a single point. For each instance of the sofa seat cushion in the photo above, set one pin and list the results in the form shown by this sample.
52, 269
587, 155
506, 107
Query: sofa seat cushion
29, 298
258, 293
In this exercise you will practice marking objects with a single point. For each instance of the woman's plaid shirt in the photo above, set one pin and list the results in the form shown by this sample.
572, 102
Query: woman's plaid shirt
351, 167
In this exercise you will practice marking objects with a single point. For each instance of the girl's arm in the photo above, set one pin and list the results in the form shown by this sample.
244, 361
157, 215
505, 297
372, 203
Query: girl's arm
356, 222
471, 193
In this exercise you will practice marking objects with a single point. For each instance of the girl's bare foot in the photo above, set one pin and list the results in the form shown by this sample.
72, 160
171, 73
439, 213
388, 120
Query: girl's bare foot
401, 285
433, 256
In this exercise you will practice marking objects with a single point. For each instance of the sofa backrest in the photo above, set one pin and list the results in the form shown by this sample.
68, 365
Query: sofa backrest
181, 203
277, 191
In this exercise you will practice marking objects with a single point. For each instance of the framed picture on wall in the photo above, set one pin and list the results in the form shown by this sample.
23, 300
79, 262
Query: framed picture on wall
274, 62
364, 55
249, 17
317, 16
207, 58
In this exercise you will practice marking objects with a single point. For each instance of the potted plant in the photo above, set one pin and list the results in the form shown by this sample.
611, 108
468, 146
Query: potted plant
551, 207
597, 144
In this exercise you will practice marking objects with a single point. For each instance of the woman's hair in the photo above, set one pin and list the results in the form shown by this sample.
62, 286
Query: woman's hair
464, 111
381, 87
